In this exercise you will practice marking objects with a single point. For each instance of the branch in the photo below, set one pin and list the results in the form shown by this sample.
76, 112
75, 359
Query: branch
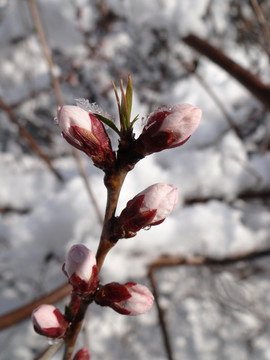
22, 313
29, 139
249, 81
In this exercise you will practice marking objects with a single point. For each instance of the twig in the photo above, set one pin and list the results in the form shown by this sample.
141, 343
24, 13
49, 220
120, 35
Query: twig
262, 21
46, 51
50, 351
29, 139
162, 321
58, 94
251, 82
87, 184
212, 94
25, 311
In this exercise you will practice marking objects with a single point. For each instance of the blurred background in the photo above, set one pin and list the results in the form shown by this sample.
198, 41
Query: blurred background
209, 53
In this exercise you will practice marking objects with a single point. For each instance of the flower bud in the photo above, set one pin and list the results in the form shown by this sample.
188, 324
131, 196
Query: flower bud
149, 207
48, 321
128, 299
82, 354
86, 132
167, 128
81, 270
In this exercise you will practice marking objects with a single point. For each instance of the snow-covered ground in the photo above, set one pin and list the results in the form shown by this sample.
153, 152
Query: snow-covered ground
211, 312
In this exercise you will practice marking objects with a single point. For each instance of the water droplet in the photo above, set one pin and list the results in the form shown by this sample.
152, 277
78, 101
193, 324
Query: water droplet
146, 228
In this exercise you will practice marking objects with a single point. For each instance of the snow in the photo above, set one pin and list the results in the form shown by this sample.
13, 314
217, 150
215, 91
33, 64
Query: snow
211, 312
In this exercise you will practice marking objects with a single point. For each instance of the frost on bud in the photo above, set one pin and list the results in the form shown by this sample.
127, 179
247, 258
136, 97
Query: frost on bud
81, 270
48, 321
86, 132
149, 207
167, 128
82, 354
128, 299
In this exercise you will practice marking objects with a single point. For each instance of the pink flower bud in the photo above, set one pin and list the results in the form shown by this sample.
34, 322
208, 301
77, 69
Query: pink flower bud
48, 321
128, 299
86, 132
81, 270
149, 207
167, 128
82, 354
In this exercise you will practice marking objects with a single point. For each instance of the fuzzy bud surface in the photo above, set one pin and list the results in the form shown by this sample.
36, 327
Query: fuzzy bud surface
82, 354
48, 321
149, 207
167, 128
86, 132
81, 270
128, 299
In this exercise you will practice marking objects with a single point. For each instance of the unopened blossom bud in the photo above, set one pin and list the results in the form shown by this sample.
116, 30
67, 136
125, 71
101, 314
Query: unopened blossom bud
167, 128
48, 321
82, 354
150, 207
86, 132
128, 299
81, 270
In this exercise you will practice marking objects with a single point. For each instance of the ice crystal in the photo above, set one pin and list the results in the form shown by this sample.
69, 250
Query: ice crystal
92, 108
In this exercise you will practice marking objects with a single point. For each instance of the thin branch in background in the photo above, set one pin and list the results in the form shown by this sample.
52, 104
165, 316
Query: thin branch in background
59, 96
248, 80
262, 21
87, 184
7, 109
46, 51
22, 313
191, 69
166, 338
50, 351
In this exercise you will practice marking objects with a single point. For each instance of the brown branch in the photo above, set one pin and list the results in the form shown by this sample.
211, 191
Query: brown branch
46, 50
249, 81
58, 94
168, 261
161, 317
25, 311
29, 139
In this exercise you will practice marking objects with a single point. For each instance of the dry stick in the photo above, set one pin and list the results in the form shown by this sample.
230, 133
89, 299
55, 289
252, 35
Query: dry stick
29, 139
162, 321
46, 51
24, 312
169, 261
58, 94
262, 21
48, 353
251, 82
212, 94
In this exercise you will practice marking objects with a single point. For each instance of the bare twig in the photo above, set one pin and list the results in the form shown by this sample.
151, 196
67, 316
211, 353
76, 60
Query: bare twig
262, 21
162, 321
50, 351
46, 51
251, 82
58, 94
25, 311
29, 138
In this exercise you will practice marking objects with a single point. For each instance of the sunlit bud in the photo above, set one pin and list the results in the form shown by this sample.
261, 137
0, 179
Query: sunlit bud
128, 299
86, 132
48, 321
149, 207
82, 354
81, 270
167, 128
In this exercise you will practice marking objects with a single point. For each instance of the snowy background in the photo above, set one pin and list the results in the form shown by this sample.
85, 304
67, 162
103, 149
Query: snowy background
223, 175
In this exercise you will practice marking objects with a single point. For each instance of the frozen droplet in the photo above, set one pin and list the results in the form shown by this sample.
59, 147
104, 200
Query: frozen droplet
146, 228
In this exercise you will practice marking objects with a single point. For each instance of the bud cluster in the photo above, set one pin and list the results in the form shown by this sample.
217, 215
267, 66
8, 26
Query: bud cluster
83, 128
